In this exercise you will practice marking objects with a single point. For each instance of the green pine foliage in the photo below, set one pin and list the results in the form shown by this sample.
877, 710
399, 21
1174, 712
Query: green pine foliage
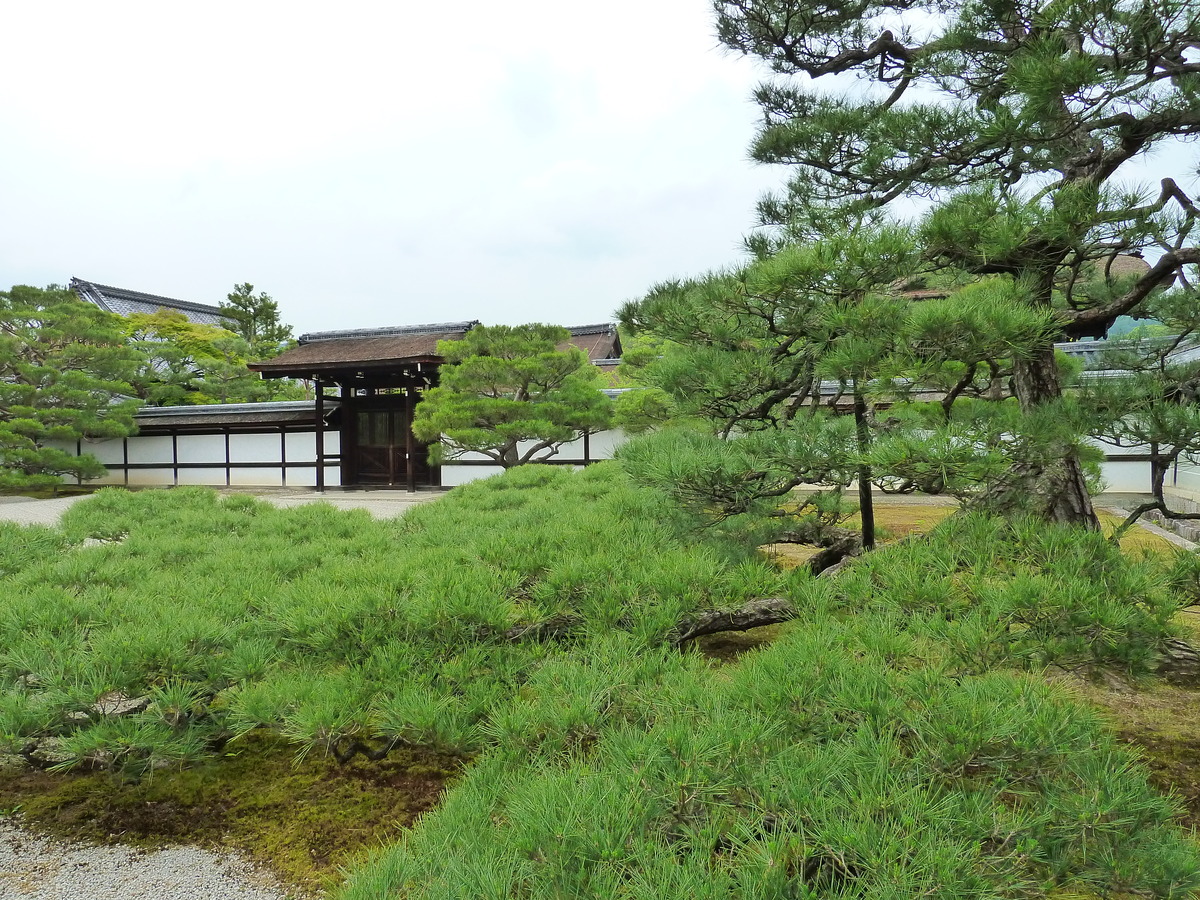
511, 394
1016, 127
897, 741
256, 320
880, 749
64, 377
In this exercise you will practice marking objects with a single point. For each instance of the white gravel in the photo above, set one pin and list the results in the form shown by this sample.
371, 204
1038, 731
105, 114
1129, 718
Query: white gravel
36, 867
380, 504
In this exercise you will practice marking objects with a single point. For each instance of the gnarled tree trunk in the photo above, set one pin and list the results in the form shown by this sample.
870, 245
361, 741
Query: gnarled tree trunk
1057, 490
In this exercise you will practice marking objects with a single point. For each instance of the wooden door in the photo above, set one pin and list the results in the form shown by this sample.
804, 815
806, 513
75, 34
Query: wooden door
385, 452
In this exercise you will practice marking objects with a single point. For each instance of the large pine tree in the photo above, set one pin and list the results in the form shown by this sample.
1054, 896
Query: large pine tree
64, 376
1017, 121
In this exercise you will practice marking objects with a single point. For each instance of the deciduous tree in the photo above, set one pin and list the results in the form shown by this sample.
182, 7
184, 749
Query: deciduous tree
186, 362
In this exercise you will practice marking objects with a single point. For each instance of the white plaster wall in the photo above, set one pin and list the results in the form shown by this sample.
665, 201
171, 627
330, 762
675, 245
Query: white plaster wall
253, 448
214, 477
110, 452
605, 443
202, 448
455, 475
1126, 477
306, 476
1186, 476
301, 446
150, 449
269, 476
150, 477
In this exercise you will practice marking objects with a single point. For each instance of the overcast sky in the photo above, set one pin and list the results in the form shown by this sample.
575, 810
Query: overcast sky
375, 163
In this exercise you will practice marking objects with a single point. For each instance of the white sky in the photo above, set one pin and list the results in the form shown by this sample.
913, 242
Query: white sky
372, 163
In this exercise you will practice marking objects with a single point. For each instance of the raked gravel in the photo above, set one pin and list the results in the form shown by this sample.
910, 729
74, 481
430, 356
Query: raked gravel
32, 866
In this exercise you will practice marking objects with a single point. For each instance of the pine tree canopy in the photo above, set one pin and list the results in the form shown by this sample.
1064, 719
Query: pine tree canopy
509, 393
255, 319
1017, 120
64, 376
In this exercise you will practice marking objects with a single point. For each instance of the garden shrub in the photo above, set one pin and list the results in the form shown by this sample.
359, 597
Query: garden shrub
886, 745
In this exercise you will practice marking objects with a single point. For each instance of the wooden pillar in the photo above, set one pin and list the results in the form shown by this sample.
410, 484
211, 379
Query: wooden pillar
409, 446
320, 396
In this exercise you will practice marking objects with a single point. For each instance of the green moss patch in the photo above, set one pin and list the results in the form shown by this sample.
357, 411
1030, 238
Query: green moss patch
304, 819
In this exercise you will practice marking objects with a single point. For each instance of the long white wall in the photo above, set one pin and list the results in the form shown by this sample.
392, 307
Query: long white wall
237, 459
257, 460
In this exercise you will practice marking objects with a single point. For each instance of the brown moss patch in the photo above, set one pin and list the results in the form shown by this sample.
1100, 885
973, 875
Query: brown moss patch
1174, 768
1163, 723
303, 819
1137, 540
729, 645
898, 519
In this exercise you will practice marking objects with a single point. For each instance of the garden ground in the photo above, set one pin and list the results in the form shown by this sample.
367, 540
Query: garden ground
309, 817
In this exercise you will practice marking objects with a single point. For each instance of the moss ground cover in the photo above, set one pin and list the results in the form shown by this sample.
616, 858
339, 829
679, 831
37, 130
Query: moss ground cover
897, 740
307, 820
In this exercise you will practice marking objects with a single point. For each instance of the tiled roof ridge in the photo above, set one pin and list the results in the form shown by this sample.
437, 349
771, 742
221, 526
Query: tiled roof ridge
125, 293
602, 328
388, 331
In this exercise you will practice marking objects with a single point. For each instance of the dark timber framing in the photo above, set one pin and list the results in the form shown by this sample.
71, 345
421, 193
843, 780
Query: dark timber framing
379, 376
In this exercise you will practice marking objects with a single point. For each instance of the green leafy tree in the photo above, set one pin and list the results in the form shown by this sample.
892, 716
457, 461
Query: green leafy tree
64, 376
510, 393
255, 319
1017, 121
188, 362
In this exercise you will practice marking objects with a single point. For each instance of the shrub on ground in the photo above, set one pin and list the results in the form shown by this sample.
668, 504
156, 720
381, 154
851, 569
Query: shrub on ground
884, 747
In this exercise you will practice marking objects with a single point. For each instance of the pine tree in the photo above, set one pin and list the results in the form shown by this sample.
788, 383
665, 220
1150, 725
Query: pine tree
64, 376
1017, 121
759, 357
509, 393
255, 319
1148, 395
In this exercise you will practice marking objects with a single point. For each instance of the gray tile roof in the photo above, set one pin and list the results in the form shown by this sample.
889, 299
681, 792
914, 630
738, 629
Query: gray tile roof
125, 302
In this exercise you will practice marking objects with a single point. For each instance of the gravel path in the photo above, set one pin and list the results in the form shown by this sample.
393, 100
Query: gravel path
37, 867
380, 504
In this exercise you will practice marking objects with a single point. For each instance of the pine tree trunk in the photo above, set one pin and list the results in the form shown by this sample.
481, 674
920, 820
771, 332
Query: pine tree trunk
866, 502
1060, 489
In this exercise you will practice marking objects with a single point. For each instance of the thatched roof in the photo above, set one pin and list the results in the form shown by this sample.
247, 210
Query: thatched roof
374, 349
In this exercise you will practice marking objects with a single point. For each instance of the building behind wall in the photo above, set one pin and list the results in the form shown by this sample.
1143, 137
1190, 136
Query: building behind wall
356, 432
124, 302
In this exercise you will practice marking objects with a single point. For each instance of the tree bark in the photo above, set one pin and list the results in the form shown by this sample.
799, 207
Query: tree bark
1179, 663
753, 614
1060, 487
866, 504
